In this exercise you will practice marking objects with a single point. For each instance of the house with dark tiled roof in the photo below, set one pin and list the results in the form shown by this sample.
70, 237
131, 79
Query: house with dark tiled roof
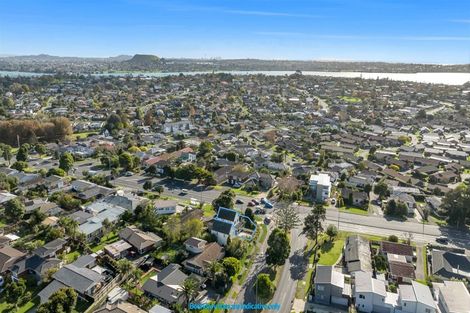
198, 264
229, 223
166, 286
387, 247
447, 265
140, 240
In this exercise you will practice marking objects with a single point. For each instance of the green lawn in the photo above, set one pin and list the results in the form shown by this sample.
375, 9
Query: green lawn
330, 251
72, 256
208, 210
354, 210
245, 193
109, 238
147, 276
83, 135
425, 262
351, 99
264, 232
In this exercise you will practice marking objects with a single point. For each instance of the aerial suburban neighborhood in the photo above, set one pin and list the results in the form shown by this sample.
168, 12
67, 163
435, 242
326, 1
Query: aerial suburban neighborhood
148, 194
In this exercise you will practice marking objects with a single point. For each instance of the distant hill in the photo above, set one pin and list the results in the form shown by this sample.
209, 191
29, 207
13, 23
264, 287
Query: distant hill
143, 61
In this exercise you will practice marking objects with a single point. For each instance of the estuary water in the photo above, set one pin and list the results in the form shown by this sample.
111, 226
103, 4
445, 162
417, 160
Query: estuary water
432, 78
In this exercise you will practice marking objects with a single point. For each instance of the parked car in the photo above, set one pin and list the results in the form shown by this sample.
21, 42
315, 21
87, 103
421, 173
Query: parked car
443, 240
251, 203
267, 220
256, 202
128, 173
260, 211
239, 201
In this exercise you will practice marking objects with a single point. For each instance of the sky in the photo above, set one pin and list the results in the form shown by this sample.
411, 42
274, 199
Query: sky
419, 31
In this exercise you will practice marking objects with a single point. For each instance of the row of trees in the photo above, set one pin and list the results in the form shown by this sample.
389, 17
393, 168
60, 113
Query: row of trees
32, 131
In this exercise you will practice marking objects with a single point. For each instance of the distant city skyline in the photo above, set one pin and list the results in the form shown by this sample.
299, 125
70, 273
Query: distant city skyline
417, 31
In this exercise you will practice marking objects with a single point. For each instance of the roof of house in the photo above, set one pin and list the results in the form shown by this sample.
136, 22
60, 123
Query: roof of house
221, 226
50, 247
165, 203
167, 283
423, 294
456, 296
449, 264
50, 289
195, 242
227, 214
138, 238
357, 254
396, 248
78, 278
120, 307
159, 309
365, 283
327, 275
7, 254
400, 269
117, 247
212, 252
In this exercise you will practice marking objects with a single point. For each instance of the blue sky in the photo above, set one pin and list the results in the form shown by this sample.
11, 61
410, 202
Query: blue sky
431, 31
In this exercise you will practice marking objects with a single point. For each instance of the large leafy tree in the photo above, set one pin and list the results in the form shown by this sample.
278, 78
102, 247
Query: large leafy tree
189, 288
63, 300
126, 161
231, 266
14, 210
286, 217
66, 161
456, 206
313, 223
264, 287
225, 199
23, 153
278, 247
381, 189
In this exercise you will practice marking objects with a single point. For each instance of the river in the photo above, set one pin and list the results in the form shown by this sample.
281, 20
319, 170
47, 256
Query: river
433, 78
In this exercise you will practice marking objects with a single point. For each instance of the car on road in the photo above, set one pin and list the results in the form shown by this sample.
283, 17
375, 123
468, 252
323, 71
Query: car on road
184, 191
128, 173
260, 211
443, 240
240, 201
267, 220
256, 202
251, 203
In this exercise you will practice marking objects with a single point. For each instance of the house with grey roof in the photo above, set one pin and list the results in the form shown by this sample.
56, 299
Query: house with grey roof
415, 298
100, 211
229, 223
452, 297
447, 265
127, 201
82, 275
166, 286
330, 287
140, 240
357, 255
199, 263
371, 295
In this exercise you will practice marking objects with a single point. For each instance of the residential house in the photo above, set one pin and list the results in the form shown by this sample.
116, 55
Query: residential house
8, 257
447, 265
140, 240
35, 265
198, 264
357, 255
83, 275
54, 182
330, 286
229, 223
120, 307
371, 295
401, 272
118, 249
452, 297
387, 247
406, 199
415, 298
101, 211
320, 186
354, 197
195, 245
163, 207
166, 286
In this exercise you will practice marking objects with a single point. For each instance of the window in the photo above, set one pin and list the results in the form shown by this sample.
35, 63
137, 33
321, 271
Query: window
427, 310
362, 297
404, 304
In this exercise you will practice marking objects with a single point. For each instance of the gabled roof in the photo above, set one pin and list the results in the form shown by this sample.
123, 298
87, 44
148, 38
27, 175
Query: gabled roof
167, 283
79, 278
365, 283
222, 226
327, 275
227, 214
396, 248
138, 238
8, 254
400, 269
212, 252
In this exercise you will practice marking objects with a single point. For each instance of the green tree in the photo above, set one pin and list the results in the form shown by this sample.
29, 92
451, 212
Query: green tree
225, 200
20, 165
193, 227
213, 269
189, 289
393, 238
456, 206
264, 287
124, 266
56, 171
126, 161
331, 231
64, 300
147, 185
40, 148
66, 161
14, 210
231, 266
7, 154
313, 223
278, 247
15, 290
23, 153
286, 217
381, 189
172, 229
236, 247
